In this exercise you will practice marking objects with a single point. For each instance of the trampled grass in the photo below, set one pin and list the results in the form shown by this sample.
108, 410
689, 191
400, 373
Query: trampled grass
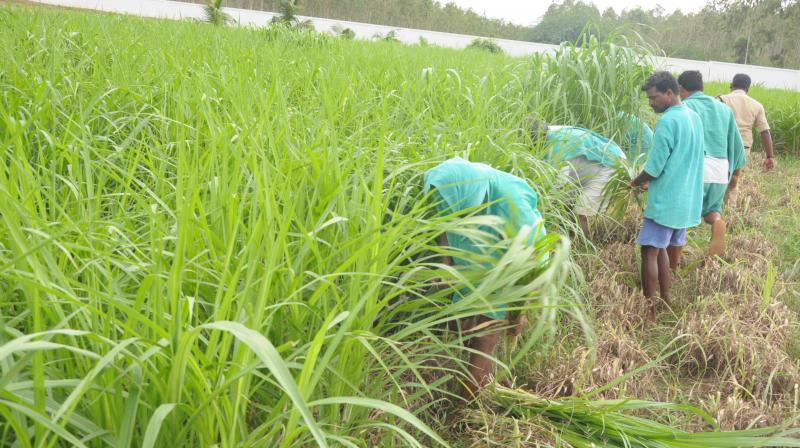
217, 237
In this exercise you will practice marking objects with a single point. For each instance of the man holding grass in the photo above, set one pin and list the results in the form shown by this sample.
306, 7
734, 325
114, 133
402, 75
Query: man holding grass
586, 157
673, 176
724, 152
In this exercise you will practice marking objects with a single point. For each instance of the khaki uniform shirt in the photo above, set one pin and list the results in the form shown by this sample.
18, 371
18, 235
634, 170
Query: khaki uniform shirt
747, 112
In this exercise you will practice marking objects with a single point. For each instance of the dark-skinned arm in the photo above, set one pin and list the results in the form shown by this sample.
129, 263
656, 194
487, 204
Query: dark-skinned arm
642, 180
442, 241
766, 142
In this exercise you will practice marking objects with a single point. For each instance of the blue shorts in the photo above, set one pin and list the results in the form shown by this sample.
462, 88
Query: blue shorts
655, 235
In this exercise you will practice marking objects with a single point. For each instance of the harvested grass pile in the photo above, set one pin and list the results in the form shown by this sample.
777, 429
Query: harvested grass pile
740, 411
740, 342
584, 369
523, 419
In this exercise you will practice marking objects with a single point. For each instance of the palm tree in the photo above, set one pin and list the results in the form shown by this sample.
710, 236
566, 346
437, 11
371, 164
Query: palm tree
288, 16
215, 14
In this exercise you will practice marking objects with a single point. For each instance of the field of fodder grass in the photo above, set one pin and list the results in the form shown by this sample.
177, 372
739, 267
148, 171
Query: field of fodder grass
217, 237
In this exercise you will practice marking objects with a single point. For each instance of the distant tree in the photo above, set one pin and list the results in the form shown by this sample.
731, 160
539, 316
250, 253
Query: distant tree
391, 36
565, 22
289, 10
485, 45
344, 33
214, 13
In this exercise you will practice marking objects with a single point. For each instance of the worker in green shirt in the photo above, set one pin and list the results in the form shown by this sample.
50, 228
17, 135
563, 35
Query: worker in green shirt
462, 187
673, 176
586, 157
724, 152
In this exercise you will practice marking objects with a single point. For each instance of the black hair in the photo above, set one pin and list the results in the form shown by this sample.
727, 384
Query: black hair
691, 80
662, 81
741, 81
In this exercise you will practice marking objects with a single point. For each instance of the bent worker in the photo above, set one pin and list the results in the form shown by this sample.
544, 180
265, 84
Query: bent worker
460, 186
724, 153
748, 113
673, 175
589, 158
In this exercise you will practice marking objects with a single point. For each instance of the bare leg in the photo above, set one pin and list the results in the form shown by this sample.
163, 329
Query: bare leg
481, 365
718, 227
583, 221
730, 193
674, 254
650, 276
663, 273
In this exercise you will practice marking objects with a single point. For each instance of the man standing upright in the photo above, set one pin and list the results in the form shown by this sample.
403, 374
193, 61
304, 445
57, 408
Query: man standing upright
748, 113
724, 153
673, 175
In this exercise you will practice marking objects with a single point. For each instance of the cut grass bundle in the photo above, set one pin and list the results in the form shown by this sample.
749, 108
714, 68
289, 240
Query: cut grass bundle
611, 423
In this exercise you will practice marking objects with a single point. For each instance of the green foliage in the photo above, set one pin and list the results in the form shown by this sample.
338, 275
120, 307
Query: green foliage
565, 22
390, 36
589, 82
288, 16
744, 31
229, 245
215, 14
344, 33
611, 423
485, 45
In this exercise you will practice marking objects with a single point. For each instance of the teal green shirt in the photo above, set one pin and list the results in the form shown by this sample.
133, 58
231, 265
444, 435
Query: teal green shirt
675, 196
720, 133
568, 142
637, 134
463, 185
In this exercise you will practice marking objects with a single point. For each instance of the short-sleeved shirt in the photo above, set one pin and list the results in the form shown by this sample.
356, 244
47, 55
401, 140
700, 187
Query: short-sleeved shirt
568, 142
462, 185
675, 196
637, 135
748, 113
721, 137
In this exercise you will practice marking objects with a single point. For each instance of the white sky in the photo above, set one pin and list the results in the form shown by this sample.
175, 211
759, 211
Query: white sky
528, 12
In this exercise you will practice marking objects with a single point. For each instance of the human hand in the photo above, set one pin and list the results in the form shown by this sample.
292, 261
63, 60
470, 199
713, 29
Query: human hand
769, 163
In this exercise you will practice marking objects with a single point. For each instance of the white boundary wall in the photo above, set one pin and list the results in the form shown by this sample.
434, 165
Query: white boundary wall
714, 71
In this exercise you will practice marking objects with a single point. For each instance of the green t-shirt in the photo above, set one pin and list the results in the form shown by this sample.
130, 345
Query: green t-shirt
721, 135
568, 142
675, 196
462, 185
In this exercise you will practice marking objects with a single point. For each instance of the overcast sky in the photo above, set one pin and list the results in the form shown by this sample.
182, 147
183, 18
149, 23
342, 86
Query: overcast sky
528, 12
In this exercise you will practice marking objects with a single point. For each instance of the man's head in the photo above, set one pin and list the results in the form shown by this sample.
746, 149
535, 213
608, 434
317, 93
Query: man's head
537, 127
689, 82
740, 82
662, 90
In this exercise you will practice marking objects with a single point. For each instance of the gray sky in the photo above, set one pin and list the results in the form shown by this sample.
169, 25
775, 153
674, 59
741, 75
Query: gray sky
528, 12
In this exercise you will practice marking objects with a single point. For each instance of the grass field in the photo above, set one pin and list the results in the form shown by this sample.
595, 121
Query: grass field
217, 237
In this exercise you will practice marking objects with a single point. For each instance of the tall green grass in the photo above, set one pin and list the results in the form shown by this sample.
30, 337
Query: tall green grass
217, 237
